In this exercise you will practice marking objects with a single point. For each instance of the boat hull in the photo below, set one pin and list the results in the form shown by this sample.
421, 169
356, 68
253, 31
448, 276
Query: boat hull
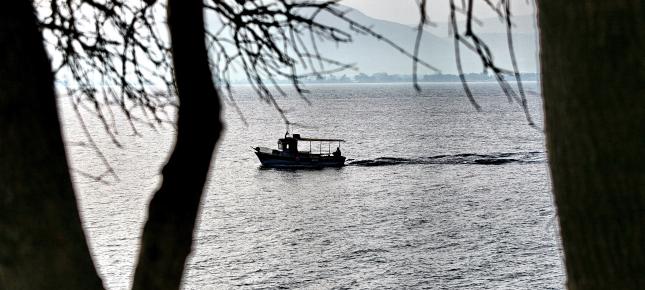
299, 161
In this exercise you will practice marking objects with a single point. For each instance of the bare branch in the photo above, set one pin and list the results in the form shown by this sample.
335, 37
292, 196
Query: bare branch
473, 42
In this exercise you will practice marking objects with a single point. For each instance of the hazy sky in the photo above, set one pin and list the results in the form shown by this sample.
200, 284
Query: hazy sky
405, 11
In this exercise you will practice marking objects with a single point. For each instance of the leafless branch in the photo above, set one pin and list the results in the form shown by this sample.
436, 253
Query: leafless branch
470, 40
111, 53
270, 41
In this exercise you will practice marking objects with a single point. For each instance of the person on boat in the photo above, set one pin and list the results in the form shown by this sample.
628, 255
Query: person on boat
337, 152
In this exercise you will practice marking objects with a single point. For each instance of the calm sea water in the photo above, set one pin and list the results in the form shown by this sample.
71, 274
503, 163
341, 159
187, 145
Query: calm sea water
435, 196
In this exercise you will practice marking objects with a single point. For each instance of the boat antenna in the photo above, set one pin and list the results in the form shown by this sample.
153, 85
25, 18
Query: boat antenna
287, 133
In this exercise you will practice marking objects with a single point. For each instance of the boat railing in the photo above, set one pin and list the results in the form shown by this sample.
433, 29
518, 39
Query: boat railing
325, 154
321, 151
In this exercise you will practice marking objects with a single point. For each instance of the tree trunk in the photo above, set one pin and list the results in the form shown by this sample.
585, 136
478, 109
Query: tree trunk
168, 233
593, 82
42, 244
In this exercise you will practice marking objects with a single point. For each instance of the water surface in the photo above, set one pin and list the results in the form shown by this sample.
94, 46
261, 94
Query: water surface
435, 196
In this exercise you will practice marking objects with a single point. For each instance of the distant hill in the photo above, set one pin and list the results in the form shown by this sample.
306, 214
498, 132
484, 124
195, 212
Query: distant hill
372, 55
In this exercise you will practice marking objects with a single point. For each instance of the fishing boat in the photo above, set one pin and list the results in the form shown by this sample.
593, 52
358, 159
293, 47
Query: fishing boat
289, 155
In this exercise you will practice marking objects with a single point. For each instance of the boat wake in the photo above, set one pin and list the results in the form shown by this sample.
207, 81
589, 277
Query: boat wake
465, 158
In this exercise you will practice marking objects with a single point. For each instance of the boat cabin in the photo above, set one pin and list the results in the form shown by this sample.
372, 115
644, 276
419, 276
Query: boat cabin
288, 144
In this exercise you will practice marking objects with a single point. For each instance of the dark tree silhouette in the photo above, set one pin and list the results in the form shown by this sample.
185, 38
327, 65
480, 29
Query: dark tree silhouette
593, 83
168, 233
42, 244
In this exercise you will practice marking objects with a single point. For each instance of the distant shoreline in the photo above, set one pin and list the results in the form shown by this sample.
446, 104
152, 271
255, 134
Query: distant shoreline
408, 82
385, 78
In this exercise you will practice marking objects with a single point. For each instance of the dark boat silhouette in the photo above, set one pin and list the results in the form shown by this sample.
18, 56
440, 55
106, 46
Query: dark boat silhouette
288, 156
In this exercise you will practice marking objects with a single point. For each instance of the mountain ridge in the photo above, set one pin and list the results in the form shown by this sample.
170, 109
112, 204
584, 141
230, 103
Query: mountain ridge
371, 55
